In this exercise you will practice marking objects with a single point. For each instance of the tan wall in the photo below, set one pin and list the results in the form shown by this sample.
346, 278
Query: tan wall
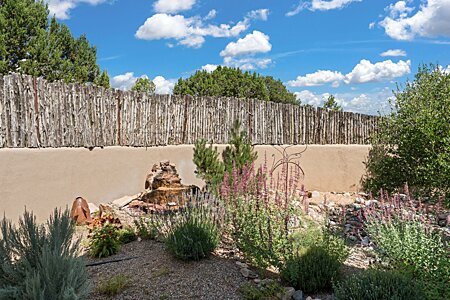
42, 179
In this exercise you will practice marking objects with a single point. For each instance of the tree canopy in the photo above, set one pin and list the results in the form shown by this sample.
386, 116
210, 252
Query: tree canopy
413, 142
331, 104
233, 82
144, 85
30, 44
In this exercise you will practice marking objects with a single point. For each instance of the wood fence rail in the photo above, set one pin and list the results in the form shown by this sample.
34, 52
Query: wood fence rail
37, 113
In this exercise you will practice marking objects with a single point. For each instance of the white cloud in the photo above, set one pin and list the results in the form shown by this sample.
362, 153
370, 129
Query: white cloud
320, 5
123, 81
430, 20
393, 52
247, 64
308, 97
191, 32
372, 25
209, 67
127, 80
172, 6
363, 72
370, 102
163, 86
211, 15
255, 42
318, 78
61, 8
259, 14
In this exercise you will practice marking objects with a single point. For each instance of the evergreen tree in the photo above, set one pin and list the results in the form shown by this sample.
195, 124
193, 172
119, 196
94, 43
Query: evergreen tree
30, 44
144, 85
331, 104
232, 82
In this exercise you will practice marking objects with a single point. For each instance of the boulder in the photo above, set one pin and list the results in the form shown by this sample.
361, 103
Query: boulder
163, 185
80, 211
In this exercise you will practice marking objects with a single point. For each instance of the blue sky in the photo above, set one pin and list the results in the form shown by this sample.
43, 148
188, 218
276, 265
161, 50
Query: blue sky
356, 50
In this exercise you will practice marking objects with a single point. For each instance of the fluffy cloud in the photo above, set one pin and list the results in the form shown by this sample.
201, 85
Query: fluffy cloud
172, 6
127, 80
363, 72
367, 103
211, 15
191, 32
393, 52
320, 5
430, 20
247, 64
318, 78
163, 86
61, 8
255, 42
209, 68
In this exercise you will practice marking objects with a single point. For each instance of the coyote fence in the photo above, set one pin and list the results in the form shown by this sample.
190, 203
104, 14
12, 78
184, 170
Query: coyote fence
37, 113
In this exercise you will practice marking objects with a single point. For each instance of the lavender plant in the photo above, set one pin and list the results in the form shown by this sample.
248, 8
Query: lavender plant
405, 241
259, 208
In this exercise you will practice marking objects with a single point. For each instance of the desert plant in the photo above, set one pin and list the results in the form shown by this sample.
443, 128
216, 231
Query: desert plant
114, 285
271, 290
378, 285
259, 209
405, 241
413, 142
193, 238
313, 270
238, 153
104, 240
127, 235
41, 261
147, 228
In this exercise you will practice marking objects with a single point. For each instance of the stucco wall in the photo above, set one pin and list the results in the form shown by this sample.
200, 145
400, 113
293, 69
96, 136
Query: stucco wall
41, 179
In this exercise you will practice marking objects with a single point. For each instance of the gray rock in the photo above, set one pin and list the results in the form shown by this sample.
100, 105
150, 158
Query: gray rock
92, 207
288, 293
121, 202
298, 295
247, 273
365, 241
241, 264
315, 194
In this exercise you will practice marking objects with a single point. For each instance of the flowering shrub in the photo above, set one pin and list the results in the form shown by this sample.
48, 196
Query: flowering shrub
406, 241
377, 285
259, 210
104, 240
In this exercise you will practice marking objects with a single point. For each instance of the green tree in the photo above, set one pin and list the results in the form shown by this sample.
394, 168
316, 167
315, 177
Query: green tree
233, 82
103, 80
331, 104
30, 44
413, 142
237, 154
144, 85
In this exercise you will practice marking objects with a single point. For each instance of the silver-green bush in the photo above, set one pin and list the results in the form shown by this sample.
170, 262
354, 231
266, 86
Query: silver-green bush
41, 261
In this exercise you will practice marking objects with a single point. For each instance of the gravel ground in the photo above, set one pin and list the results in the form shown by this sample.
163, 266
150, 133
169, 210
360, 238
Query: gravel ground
155, 274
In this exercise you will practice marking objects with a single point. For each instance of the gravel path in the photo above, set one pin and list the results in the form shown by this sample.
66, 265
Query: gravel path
155, 274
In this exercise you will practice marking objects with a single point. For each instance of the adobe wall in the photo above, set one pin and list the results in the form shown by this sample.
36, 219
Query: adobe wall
41, 179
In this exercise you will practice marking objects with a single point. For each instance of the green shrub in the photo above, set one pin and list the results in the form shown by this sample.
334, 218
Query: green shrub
312, 271
147, 229
413, 142
378, 285
193, 238
114, 285
104, 240
127, 235
41, 261
408, 245
238, 154
271, 290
